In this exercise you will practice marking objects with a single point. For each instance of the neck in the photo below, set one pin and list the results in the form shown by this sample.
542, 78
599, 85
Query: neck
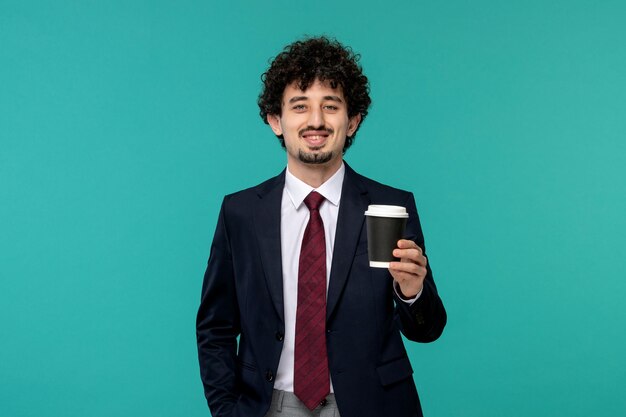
314, 175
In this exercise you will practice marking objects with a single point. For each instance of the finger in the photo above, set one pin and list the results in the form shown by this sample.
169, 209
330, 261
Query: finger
403, 276
407, 267
407, 244
422, 261
410, 255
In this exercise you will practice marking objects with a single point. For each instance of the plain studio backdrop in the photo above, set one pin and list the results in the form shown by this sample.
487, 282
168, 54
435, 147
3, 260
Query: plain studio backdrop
123, 124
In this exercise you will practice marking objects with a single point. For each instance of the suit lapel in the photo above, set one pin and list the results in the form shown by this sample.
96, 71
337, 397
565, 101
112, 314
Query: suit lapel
267, 227
354, 202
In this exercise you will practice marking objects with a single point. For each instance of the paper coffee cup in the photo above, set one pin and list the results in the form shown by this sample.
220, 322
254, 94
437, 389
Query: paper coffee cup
385, 226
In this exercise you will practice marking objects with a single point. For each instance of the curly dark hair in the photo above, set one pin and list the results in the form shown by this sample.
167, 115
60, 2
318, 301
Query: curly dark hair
312, 59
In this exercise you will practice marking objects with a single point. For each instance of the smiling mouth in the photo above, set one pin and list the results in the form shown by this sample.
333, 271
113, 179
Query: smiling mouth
315, 139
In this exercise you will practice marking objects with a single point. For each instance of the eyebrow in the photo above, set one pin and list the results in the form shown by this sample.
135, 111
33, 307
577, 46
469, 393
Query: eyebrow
326, 98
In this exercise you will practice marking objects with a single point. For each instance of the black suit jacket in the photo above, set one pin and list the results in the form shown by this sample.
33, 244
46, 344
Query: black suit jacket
242, 296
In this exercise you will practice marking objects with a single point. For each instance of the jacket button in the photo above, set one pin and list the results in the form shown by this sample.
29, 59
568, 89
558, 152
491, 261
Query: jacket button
280, 336
324, 402
269, 376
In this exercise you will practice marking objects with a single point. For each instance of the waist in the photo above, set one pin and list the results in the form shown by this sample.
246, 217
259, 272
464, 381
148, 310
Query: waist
289, 399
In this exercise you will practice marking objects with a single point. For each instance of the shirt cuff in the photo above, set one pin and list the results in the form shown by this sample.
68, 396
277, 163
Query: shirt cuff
409, 301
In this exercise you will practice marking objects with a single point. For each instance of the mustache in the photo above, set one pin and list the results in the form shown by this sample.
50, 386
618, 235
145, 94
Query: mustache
313, 129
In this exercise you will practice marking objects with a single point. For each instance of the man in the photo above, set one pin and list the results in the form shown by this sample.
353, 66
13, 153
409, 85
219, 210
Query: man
319, 330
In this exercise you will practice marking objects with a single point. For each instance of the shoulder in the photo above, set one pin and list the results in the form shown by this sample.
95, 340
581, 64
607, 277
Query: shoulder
375, 189
249, 197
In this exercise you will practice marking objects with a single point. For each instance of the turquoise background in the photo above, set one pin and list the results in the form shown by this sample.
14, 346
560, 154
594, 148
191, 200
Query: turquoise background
123, 123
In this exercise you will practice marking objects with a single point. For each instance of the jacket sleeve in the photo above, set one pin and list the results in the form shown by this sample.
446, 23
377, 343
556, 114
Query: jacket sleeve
218, 325
424, 320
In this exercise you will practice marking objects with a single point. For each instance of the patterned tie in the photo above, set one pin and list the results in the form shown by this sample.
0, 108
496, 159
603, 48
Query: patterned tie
311, 380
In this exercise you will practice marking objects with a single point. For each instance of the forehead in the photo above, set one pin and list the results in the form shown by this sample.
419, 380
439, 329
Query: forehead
317, 89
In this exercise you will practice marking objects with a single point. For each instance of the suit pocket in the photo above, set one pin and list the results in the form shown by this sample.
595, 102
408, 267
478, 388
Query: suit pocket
394, 371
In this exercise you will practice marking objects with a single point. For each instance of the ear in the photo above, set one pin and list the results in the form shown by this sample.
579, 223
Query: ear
274, 122
353, 124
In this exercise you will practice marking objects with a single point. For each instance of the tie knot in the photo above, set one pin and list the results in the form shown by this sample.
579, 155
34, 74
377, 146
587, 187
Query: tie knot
314, 200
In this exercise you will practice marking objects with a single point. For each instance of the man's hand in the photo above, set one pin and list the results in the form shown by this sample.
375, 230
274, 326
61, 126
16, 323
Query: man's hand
410, 272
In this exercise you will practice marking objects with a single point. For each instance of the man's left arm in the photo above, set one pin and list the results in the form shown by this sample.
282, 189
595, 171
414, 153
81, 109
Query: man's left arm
424, 319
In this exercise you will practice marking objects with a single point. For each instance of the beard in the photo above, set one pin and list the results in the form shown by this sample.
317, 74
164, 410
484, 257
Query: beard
314, 158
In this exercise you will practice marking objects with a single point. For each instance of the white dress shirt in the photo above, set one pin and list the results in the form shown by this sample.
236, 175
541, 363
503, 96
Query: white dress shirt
294, 217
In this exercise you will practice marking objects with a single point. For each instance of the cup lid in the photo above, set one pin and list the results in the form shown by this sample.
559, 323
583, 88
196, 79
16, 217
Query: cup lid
379, 210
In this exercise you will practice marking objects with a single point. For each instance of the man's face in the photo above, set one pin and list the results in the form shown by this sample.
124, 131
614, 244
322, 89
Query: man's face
314, 124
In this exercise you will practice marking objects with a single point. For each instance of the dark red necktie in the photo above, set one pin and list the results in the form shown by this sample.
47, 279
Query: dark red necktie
311, 381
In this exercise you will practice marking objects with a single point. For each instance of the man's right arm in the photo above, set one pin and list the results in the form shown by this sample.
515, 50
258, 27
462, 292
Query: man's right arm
217, 326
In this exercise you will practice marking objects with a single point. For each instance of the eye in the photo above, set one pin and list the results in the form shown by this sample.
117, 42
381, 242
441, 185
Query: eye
331, 107
299, 107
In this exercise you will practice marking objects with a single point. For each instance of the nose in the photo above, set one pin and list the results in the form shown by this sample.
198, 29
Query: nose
316, 117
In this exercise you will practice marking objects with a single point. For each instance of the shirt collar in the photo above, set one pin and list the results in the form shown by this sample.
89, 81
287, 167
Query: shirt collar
297, 190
